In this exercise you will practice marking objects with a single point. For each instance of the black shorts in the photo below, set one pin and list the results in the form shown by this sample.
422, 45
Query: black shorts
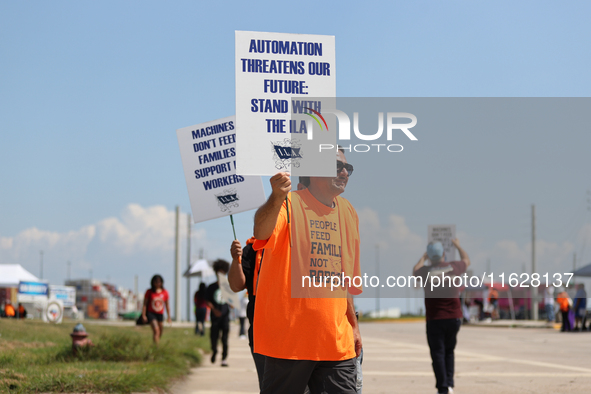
292, 376
159, 317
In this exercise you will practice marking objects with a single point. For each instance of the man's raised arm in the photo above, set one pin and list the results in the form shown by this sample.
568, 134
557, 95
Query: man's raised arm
463, 255
265, 218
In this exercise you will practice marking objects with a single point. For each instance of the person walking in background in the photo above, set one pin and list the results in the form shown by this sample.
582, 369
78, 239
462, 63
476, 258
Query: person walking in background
9, 310
580, 307
549, 303
493, 301
22, 312
444, 311
220, 313
564, 302
200, 309
155, 299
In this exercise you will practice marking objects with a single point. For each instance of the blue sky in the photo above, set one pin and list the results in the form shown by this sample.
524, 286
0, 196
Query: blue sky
91, 95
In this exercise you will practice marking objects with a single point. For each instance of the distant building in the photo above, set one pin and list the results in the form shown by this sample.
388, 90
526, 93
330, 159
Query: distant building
100, 300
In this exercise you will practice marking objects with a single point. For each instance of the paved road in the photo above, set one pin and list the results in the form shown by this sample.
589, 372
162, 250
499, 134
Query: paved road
488, 360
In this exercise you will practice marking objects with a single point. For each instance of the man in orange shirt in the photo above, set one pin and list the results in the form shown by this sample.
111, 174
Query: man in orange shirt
493, 299
564, 301
308, 334
9, 310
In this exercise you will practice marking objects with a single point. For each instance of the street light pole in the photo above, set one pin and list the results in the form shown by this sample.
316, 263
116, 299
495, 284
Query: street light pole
378, 275
188, 267
533, 263
177, 269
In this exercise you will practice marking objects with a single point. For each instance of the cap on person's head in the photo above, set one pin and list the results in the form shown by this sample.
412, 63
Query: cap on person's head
435, 251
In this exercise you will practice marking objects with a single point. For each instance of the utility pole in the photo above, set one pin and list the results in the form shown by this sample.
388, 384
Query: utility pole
177, 269
188, 266
41, 263
534, 295
137, 296
378, 275
574, 262
69, 269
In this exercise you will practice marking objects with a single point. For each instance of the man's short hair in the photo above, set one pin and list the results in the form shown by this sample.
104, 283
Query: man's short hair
221, 265
341, 149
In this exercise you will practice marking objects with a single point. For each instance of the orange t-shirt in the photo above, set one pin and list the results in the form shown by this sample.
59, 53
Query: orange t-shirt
307, 328
493, 295
562, 300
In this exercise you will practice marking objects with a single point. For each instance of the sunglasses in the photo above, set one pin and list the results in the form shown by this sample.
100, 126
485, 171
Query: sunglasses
346, 166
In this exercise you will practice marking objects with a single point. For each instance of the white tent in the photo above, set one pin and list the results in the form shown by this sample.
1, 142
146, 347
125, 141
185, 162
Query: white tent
12, 274
200, 268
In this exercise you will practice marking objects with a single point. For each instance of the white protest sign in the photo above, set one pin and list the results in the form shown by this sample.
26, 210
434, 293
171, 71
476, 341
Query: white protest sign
279, 75
208, 152
444, 233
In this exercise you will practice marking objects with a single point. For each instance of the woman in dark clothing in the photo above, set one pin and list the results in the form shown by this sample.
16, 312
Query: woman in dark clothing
200, 309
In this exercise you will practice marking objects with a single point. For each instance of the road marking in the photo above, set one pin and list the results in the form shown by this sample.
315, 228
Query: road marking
482, 374
218, 368
484, 357
223, 392
369, 358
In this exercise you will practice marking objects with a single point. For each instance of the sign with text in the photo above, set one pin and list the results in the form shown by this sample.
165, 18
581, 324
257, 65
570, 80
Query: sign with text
208, 151
276, 74
32, 291
66, 294
444, 233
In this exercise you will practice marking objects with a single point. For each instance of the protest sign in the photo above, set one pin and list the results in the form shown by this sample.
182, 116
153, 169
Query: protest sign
277, 74
208, 152
444, 233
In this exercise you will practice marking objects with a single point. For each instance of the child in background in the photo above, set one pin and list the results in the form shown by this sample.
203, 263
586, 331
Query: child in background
153, 310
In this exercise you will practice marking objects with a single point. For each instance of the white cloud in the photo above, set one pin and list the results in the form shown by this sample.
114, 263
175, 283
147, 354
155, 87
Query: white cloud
20, 248
139, 229
139, 239
552, 257
394, 232
6, 243
400, 248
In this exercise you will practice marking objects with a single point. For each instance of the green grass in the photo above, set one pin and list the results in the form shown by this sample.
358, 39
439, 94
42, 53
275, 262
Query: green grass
36, 357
